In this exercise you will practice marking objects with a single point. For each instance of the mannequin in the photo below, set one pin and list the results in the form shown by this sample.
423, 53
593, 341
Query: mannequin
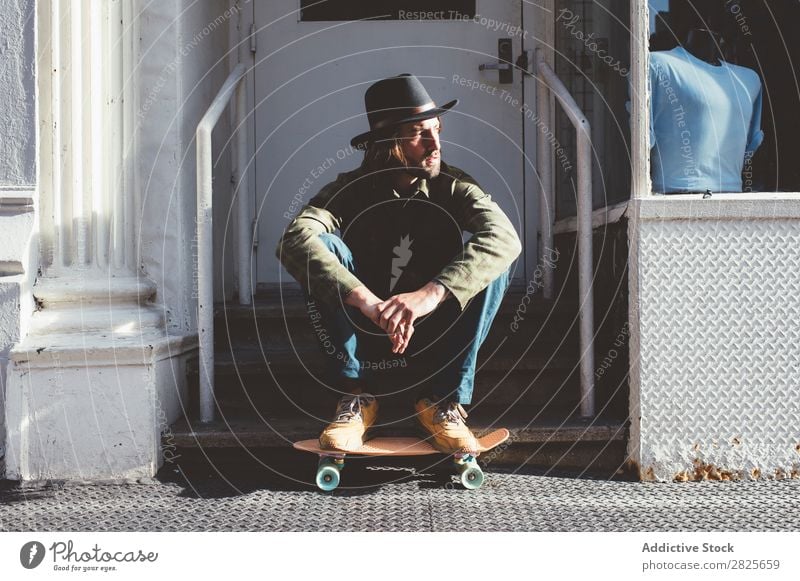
705, 117
706, 45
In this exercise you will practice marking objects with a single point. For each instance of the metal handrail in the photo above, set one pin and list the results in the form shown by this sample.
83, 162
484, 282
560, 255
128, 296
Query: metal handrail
549, 82
205, 226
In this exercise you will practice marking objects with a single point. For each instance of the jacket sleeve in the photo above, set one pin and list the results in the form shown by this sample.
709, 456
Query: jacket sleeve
307, 258
488, 253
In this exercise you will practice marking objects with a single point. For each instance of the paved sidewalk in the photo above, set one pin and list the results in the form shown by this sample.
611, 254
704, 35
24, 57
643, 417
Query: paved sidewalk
402, 496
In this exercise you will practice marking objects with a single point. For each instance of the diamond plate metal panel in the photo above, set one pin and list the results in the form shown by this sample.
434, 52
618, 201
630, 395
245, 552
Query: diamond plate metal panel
719, 348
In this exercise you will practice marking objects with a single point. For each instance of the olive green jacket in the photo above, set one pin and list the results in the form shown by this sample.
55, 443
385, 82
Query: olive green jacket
400, 242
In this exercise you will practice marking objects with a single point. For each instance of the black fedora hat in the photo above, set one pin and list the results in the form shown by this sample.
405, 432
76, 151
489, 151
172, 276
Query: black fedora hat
394, 101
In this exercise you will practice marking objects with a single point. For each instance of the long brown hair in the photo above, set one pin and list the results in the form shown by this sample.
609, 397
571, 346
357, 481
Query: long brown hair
386, 151
383, 153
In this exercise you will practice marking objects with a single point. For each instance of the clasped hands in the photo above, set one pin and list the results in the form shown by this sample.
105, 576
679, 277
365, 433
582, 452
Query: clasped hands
397, 314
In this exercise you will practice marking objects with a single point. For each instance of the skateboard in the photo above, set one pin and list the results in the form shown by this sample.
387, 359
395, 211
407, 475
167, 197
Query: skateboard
331, 462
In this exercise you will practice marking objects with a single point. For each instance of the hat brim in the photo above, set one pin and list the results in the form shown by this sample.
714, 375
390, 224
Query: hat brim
359, 141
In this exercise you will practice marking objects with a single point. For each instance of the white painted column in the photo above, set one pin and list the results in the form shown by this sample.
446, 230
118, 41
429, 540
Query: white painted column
89, 225
97, 379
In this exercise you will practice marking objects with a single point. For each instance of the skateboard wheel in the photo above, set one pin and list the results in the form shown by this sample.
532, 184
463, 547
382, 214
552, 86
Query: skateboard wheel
328, 475
472, 477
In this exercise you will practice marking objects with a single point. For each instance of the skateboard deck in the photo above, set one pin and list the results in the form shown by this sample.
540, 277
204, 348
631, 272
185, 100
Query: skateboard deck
387, 446
332, 461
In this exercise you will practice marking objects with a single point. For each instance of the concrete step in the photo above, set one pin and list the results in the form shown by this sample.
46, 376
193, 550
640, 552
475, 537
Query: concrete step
268, 357
554, 443
270, 373
246, 378
275, 320
290, 302
270, 387
253, 359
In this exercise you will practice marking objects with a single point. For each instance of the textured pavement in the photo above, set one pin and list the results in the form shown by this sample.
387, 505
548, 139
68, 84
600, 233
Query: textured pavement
409, 495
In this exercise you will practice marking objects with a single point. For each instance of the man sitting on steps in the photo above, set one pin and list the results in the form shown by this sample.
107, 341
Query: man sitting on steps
401, 217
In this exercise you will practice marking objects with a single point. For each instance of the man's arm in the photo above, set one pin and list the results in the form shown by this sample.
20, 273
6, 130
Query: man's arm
315, 267
307, 258
489, 252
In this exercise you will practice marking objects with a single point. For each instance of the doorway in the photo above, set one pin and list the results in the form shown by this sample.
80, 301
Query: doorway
313, 63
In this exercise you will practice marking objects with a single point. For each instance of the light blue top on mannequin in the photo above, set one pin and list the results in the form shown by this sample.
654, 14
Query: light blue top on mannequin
704, 121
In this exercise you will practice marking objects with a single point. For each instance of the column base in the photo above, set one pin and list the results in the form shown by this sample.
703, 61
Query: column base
94, 412
91, 390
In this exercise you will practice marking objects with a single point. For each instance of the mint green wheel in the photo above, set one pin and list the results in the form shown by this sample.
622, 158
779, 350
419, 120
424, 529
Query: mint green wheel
471, 475
328, 475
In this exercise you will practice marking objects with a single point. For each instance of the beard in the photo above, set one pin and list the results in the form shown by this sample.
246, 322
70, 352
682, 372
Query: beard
383, 155
428, 167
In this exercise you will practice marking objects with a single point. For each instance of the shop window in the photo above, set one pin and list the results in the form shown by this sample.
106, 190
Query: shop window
724, 96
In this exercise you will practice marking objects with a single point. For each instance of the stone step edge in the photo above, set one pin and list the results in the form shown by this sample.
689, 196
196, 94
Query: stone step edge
282, 433
294, 306
253, 362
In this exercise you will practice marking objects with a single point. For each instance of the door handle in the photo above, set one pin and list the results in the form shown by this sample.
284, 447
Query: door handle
494, 66
504, 63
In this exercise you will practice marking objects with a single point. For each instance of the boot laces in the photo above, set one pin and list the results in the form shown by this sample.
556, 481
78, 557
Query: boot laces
452, 413
349, 408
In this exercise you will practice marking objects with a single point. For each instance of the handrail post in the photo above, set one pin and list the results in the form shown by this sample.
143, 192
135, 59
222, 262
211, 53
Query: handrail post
547, 76
585, 270
205, 266
245, 238
205, 235
544, 165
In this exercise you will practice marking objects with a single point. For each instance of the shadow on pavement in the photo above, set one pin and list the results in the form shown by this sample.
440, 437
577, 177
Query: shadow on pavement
220, 474
228, 473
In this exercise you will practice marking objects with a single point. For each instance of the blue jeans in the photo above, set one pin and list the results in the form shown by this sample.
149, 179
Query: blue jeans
442, 352
441, 355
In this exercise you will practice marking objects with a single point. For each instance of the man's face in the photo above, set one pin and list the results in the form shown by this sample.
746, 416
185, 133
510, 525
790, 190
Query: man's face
420, 143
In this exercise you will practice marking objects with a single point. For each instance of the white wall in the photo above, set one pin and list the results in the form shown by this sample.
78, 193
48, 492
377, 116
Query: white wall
17, 94
183, 62
17, 178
